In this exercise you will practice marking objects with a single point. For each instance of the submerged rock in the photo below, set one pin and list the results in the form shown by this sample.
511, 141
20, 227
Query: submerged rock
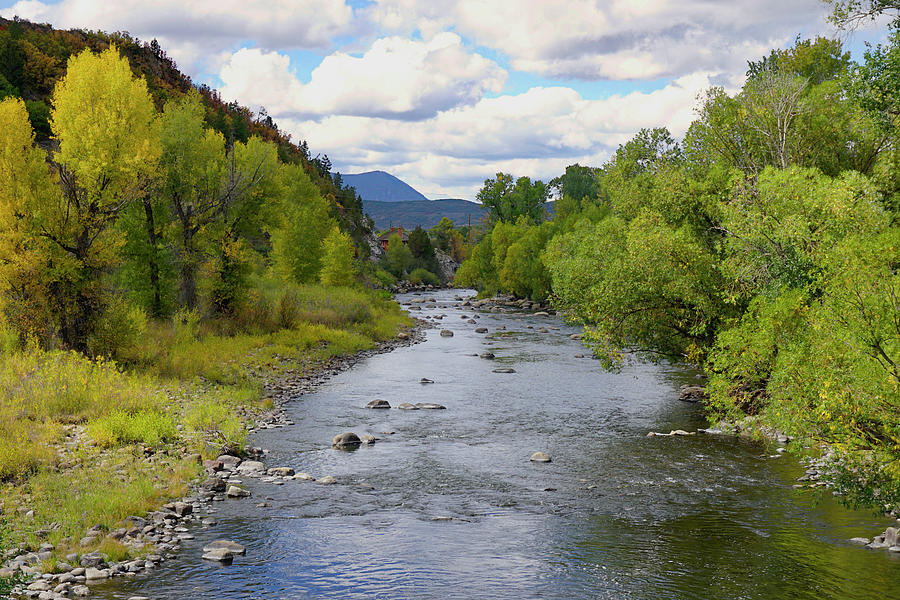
430, 406
693, 393
407, 406
237, 492
378, 404
232, 547
446, 333
504, 370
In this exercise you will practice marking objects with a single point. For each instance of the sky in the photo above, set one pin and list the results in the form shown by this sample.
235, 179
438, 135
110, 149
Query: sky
446, 94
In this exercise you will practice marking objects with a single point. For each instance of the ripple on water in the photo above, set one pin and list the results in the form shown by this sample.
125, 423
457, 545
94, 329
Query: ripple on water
458, 511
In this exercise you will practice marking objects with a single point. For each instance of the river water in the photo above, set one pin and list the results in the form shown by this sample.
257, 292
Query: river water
458, 511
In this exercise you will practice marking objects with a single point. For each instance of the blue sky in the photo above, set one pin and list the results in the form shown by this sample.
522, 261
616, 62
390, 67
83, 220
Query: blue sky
446, 94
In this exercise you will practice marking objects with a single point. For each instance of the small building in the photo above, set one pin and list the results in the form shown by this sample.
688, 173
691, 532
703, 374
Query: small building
384, 237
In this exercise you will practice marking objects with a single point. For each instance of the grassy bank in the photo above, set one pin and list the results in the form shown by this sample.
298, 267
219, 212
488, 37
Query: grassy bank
87, 442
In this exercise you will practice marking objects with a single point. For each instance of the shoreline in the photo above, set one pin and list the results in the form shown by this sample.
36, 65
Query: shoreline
157, 536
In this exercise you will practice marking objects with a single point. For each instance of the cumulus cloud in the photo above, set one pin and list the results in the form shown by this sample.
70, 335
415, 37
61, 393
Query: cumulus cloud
623, 39
397, 78
536, 133
192, 31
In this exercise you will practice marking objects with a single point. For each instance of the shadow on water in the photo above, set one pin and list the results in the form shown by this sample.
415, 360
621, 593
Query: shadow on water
452, 507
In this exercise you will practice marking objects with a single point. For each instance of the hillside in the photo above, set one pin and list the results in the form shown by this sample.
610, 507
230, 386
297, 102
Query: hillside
34, 57
426, 213
378, 186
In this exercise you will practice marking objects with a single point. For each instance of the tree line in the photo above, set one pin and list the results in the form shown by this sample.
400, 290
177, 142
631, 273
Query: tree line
131, 212
763, 247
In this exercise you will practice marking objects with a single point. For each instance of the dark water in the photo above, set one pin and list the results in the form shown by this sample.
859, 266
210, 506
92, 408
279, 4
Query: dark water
630, 516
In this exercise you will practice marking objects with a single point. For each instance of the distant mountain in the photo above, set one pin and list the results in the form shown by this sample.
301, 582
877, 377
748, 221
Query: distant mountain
378, 186
426, 213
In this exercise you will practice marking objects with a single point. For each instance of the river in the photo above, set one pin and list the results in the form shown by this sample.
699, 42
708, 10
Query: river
449, 506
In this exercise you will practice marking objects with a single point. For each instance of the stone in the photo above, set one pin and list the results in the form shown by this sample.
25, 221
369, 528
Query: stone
94, 573
542, 313
543, 330
213, 484
229, 545
487, 355
183, 509
540, 457
251, 466
692, 393
304, 477
327, 480
890, 536
80, 590
346, 441
281, 471
425, 380
407, 406
367, 439
504, 370
481, 330
859, 540
237, 492
228, 460
92, 559
378, 404
222, 555
430, 406
402, 336
575, 336
446, 333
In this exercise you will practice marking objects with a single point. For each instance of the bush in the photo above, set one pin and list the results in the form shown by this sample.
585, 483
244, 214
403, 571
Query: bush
422, 276
214, 427
119, 332
121, 428
384, 278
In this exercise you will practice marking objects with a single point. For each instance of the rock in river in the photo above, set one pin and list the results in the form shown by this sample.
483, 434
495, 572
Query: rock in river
692, 393
346, 440
481, 330
425, 380
446, 333
540, 457
237, 492
430, 406
487, 355
232, 547
504, 370
378, 404
407, 406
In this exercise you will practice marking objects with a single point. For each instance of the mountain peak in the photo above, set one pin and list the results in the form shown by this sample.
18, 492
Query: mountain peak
380, 186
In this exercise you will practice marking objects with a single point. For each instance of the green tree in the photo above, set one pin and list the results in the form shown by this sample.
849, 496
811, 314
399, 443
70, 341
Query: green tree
398, 258
297, 240
337, 259
507, 200
105, 122
421, 249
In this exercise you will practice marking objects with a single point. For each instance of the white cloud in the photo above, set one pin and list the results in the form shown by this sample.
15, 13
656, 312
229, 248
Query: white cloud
623, 39
396, 77
536, 133
194, 30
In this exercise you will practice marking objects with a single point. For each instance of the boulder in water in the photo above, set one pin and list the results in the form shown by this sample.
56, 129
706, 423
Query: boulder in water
504, 370
346, 441
430, 406
407, 406
540, 457
378, 404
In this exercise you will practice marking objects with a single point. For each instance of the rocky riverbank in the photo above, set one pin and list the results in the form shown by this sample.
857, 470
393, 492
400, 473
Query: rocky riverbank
141, 543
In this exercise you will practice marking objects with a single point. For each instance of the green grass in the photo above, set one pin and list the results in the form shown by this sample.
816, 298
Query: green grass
204, 375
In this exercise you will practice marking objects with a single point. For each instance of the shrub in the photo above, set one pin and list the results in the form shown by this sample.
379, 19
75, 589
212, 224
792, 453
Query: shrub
120, 428
422, 276
119, 331
215, 426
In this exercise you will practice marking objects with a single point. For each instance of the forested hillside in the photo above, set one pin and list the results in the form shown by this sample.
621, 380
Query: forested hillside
764, 247
34, 57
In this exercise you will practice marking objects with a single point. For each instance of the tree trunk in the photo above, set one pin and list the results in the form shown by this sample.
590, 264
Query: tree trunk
153, 259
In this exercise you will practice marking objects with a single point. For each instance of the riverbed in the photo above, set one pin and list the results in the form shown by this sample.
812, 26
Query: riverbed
446, 503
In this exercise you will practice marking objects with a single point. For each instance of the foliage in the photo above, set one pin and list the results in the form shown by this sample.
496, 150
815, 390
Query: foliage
421, 250
421, 276
507, 200
337, 259
398, 259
